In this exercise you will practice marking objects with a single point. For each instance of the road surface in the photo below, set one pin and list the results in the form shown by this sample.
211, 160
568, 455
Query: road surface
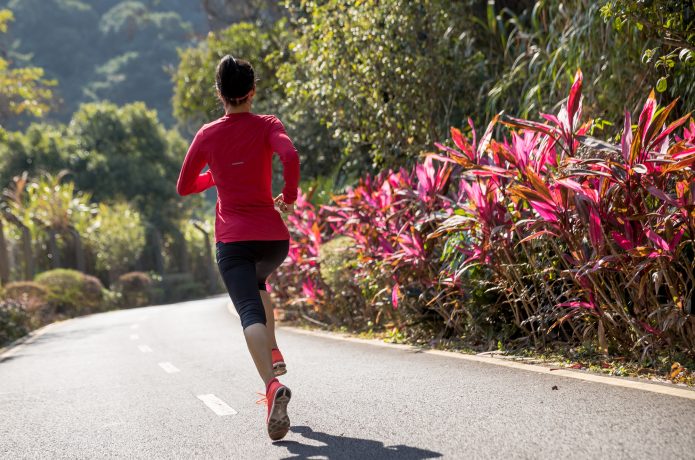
177, 382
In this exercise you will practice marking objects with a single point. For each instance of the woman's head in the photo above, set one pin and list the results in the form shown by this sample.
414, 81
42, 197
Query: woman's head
235, 80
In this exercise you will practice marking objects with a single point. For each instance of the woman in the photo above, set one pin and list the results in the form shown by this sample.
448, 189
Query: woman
251, 237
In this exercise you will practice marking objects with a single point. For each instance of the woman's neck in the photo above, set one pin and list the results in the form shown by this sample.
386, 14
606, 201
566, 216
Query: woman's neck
237, 109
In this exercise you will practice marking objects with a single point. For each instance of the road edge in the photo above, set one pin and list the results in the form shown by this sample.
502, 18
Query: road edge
660, 388
18, 344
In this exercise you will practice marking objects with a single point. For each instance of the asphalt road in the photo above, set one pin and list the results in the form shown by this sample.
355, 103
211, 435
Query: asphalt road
152, 383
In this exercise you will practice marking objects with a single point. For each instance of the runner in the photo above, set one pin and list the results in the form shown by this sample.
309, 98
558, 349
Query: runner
251, 238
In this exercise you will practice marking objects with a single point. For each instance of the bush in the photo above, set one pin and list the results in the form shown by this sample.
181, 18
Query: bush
176, 287
543, 235
14, 321
34, 297
338, 267
135, 289
72, 292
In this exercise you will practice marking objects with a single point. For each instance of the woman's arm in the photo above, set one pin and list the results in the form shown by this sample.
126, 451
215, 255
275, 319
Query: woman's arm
190, 179
283, 146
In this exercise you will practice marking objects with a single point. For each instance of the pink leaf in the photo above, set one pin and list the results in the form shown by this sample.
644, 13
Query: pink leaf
658, 241
394, 296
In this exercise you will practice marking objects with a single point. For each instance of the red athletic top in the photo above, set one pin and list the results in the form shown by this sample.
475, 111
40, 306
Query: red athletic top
239, 148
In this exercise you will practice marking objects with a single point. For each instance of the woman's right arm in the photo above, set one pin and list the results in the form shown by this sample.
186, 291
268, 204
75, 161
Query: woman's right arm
281, 144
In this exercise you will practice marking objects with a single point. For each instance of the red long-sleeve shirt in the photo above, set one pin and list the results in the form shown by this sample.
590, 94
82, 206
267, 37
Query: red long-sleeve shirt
239, 148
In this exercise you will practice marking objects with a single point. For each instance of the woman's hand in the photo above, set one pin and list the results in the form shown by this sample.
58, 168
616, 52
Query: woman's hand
282, 206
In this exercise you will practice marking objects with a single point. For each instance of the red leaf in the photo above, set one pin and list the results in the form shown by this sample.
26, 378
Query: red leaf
574, 102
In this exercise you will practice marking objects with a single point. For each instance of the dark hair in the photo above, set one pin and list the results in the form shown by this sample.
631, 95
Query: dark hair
235, 79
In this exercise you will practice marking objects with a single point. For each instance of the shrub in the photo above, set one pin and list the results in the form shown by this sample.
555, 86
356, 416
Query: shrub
176, 287
14, 321
585, 240
544, 234
338, 269
134, 288
34, 297
72, 292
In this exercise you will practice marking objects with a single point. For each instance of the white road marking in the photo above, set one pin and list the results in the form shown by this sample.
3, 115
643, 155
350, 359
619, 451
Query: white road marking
169, 368
134, 326
145, 349
217, 405
134, 336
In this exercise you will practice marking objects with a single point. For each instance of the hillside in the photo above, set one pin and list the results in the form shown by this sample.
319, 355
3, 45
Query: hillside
121, 51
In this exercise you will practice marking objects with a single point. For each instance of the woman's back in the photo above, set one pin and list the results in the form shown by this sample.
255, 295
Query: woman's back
238, 148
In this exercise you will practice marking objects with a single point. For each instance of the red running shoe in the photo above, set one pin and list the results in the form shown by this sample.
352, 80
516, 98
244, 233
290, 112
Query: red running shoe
277, 396
279, 367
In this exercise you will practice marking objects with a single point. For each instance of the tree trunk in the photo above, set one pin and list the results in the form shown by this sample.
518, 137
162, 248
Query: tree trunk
209, 266
79, 249
4, 259
157, 246
53, 248
29, 265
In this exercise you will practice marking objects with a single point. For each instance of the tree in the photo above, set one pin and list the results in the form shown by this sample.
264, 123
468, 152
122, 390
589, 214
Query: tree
24, 90
388, 77
118, 238
125, 153
58, 209
222, 13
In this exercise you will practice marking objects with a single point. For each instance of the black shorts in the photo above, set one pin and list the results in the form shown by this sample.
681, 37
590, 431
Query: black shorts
245, 266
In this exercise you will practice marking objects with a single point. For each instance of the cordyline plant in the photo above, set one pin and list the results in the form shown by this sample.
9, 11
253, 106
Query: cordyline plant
584, 239
299, 278
388, 217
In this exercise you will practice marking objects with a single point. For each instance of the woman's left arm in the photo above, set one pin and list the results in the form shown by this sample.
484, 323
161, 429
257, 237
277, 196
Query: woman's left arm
190, 179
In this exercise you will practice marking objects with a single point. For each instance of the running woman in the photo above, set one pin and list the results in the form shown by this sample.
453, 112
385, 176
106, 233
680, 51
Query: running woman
251, 238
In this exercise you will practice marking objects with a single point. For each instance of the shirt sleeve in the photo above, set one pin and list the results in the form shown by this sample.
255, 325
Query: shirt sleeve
283, 146
190, 180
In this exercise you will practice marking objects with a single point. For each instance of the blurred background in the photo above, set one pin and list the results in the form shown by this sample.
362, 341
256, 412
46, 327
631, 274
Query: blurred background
99, 99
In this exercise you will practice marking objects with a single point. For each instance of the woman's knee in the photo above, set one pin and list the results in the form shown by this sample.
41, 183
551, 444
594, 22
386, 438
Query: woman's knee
251, 311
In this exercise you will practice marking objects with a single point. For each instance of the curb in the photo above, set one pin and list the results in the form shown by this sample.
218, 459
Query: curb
18, 344
659, 388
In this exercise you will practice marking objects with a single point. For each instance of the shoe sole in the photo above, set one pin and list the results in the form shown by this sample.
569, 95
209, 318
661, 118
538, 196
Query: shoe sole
279, 421
279, 368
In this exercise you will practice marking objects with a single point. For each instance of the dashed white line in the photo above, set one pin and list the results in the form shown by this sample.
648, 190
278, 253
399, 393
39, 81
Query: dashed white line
145, 349
169, 368
217, 405
134, 336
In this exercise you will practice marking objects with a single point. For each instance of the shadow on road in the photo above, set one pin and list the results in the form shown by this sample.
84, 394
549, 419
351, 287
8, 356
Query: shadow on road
341, 447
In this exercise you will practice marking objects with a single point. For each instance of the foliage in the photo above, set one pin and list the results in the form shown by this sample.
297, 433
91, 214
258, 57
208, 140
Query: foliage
118, 238
125, 153
14, 321
547, 234
671, 26
584, 239
112, 50
24, 89
532, 55
134, 288
73, 293
386, 77
34, 299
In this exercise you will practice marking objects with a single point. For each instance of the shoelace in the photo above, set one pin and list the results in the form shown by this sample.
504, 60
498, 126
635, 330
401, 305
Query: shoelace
263, 400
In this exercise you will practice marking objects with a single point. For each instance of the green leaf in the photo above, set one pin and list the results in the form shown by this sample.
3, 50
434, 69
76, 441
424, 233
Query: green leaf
661, 84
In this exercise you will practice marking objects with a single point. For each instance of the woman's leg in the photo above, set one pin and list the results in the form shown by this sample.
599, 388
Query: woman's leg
257, 339
275, 253
269, 318
237, 266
